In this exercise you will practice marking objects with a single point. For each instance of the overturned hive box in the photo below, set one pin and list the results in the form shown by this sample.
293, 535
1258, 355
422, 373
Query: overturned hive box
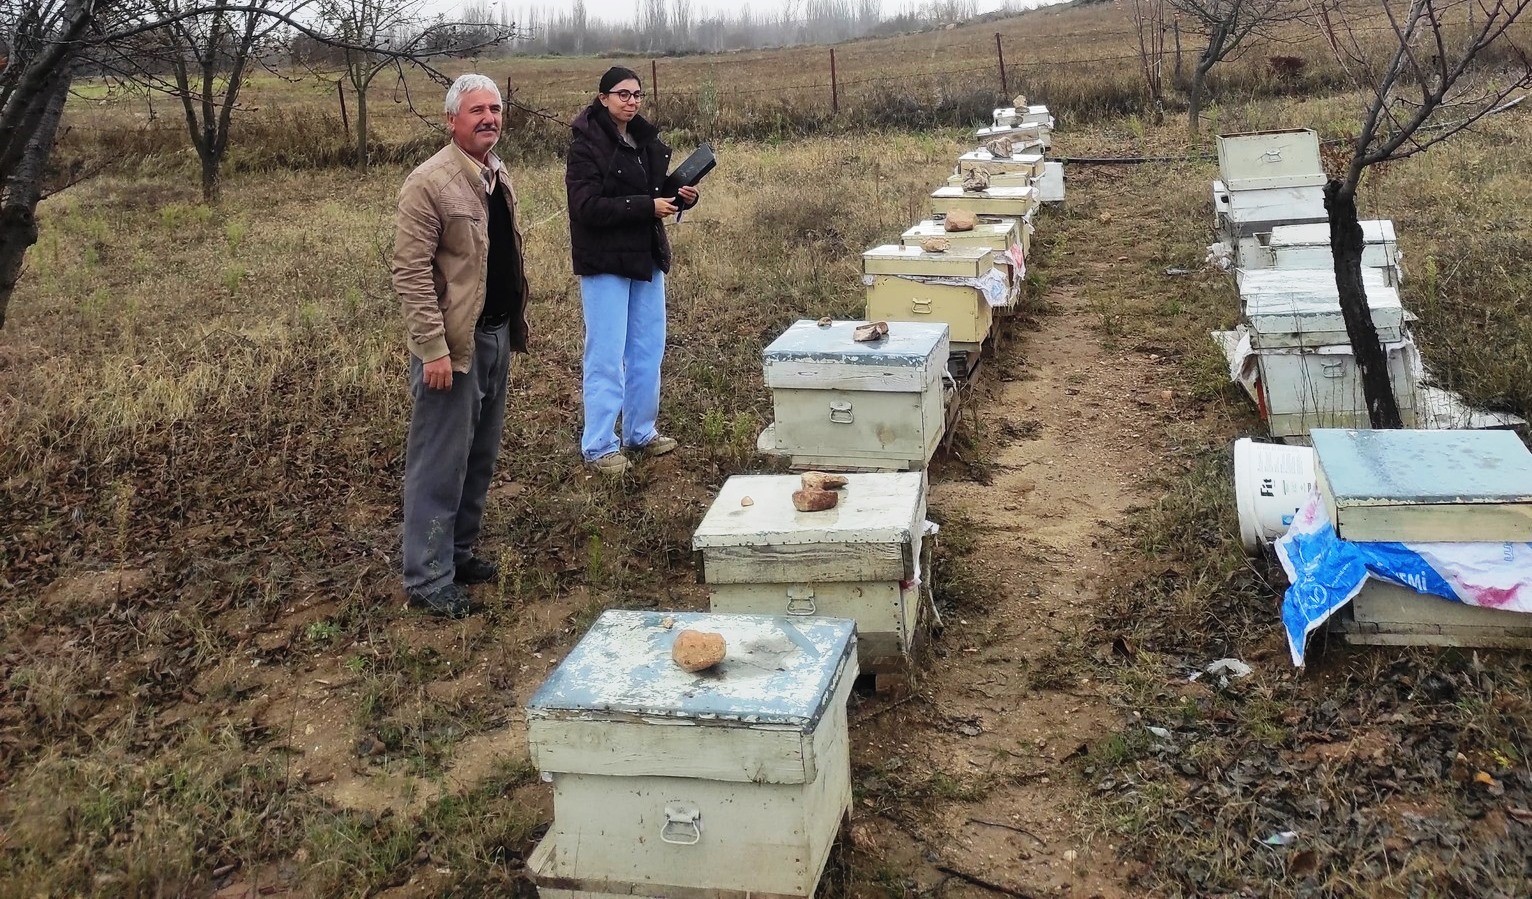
959, 288
1010, 202
860, 560
839, 404
728, 783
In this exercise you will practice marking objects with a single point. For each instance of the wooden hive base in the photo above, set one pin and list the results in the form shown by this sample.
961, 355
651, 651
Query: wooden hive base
1388, 615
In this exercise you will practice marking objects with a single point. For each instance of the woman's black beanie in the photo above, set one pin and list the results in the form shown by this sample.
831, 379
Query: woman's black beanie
615, 76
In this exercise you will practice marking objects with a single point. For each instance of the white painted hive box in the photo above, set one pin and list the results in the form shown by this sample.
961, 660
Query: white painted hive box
1015, 202
726, 783
1321, 387
842, 404
1032, 131
1022, 115
1308, 246
1426, 486
1301, 307
860, 560
909, 284
1050, 187
1017, 163
1259, 160
1242, 213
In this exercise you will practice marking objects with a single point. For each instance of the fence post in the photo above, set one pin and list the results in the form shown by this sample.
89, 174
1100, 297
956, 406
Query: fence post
345, 120
507, 90
1005, 87
834, 87
654, 84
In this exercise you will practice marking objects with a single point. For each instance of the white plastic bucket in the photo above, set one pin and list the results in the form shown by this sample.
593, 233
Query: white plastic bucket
1271, 482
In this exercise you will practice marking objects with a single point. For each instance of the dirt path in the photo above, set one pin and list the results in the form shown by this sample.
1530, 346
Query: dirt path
1009, 696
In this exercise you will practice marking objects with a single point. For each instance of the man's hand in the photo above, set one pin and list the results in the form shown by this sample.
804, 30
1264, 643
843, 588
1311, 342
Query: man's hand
689, 194
664, 207
438, 373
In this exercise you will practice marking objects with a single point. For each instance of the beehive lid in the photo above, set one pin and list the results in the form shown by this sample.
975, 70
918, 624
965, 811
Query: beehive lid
1028, 130
1318, 234
958, 262
777, 671
1315, 283
1420, 467
908, 345
953, 195
983, 155
883, 508
1264, 159
995, 235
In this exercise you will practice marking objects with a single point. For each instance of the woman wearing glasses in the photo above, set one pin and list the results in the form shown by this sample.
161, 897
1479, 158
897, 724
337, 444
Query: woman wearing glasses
619, 197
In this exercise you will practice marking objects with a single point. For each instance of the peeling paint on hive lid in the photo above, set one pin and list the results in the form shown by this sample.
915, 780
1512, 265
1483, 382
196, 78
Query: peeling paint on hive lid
778, 671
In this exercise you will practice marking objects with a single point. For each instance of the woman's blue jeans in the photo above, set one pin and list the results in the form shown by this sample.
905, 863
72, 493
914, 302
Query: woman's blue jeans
624, 343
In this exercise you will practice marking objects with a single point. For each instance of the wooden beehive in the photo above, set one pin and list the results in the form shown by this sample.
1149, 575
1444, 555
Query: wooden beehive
1244, 213
860, 560
1032, 131
1262, 160
909, 284
1308, 247
1023, 115
1029, 164
1301, 389
1425, 486
839, 404
1012, 202
1010, 239
1301, 308
728, 783
1050, 187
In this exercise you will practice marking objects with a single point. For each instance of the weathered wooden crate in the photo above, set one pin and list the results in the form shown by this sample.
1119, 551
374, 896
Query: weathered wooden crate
861, 560
1244, 213
1029, 164
1010, 239
1308, 247
1385, 614
1012, 202
1261, 160
909, 284
727, 784
1425, 486
1301, 307
839, 404
1301, 389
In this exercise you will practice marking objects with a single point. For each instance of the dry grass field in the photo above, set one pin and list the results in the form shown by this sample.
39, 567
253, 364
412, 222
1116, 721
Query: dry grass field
207, 679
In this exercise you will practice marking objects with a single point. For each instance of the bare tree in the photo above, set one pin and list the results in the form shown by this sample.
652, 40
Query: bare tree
209, 52
1226, 25
1148, 18
1429, 79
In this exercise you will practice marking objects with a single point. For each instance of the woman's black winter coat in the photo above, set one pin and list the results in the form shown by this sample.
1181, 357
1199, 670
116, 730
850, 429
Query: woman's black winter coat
612, 188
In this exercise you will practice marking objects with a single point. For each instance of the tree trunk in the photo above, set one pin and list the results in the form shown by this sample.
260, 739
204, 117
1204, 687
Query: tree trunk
1194, 102
18, 215
361, 127
1346, 245
212, 182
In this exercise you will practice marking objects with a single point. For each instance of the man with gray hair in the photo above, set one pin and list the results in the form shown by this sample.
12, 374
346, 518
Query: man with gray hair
458, 271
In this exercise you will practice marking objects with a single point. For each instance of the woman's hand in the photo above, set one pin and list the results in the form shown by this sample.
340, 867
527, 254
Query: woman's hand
664, 207
689, 195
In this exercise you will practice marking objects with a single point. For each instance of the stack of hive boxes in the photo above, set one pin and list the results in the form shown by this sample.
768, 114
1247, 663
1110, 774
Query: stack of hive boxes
1431, 487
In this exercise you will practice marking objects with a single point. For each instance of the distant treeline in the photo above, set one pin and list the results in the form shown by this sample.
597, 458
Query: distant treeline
675, 27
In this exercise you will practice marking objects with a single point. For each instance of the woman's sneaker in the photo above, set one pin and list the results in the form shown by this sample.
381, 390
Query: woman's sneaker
611, 463
659, 446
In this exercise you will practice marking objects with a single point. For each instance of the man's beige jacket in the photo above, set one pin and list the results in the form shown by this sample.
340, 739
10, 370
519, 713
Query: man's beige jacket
441, 256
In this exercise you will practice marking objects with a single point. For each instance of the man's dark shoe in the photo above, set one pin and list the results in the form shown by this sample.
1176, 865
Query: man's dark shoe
449, 601
476, 571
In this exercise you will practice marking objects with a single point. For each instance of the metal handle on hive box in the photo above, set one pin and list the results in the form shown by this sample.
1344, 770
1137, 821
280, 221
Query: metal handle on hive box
1333, 369
920, 307
683, 824
840, 412
800, 601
